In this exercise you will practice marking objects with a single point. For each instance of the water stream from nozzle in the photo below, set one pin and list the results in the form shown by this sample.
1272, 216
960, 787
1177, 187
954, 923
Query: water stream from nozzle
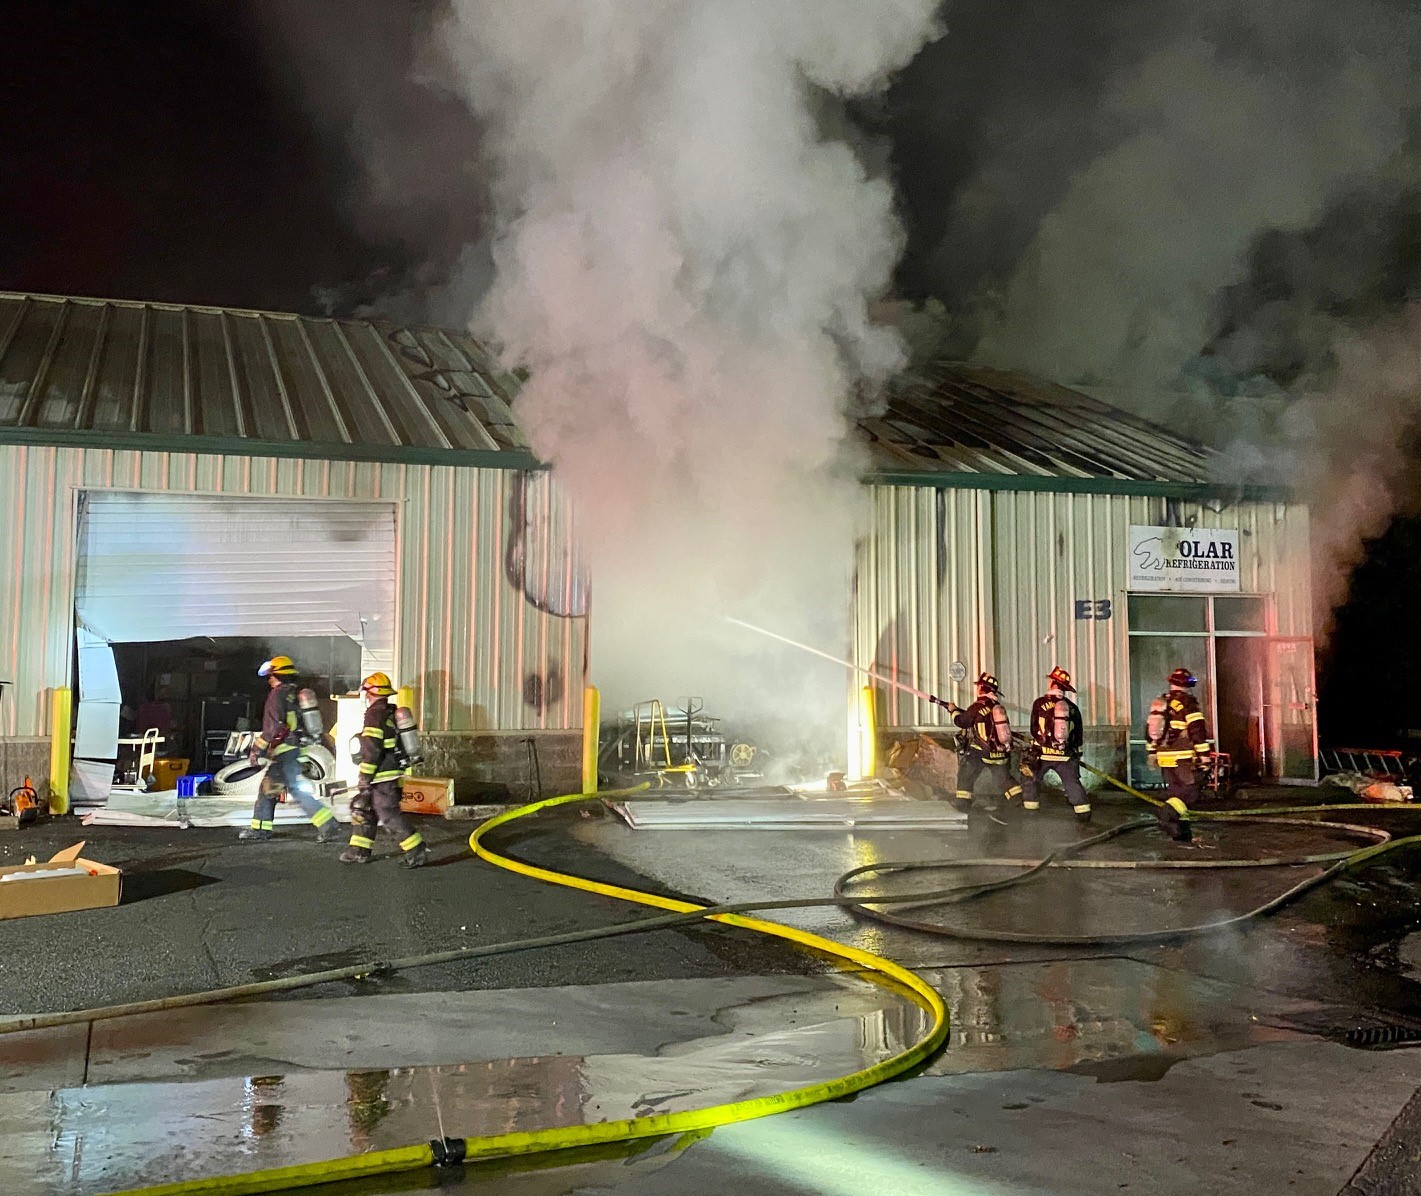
848, 664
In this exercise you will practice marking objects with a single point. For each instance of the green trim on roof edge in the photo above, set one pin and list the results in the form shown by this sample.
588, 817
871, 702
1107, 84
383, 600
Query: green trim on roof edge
393, 454
243, 446
1198, 491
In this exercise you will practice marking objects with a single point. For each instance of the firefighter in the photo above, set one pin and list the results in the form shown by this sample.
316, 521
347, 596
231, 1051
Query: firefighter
1057, 738
377, 796
1179, 746
285, 735
985, 745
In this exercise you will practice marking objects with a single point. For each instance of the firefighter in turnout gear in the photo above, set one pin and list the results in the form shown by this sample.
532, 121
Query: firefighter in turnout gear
1179, 745
1056, 741
290, 724
985, 744
377, 797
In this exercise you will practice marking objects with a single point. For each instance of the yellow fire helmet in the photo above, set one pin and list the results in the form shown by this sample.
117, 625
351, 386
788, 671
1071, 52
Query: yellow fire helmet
282, 666
378, 684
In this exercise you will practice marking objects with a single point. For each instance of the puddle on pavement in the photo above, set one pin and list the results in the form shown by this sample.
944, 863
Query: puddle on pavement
118, 1136
1114, 1018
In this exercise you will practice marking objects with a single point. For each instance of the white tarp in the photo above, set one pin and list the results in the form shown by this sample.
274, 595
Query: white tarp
177, 566
1184, 560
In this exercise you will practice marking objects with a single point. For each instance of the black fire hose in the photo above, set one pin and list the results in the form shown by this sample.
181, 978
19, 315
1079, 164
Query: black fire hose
1067, 857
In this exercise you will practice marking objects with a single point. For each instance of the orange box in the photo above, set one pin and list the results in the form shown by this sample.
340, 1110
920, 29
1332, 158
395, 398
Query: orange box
101, 885
426, 795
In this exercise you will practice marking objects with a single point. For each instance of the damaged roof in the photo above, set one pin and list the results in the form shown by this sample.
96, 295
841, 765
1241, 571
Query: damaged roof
181, 378
956, 419
177, 378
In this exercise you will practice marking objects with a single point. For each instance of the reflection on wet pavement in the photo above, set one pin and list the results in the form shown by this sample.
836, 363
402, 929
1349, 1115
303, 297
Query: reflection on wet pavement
1113, 1018
613, 1051
114, 1136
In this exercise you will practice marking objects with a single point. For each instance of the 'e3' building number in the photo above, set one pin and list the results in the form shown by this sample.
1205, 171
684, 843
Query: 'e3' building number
1093, 608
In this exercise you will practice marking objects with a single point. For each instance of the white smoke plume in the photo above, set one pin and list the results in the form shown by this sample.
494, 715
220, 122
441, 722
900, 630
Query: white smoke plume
1347, 446
682, 260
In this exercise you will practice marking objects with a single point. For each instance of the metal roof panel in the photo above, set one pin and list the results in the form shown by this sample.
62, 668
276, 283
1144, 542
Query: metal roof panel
186, 375
181, 378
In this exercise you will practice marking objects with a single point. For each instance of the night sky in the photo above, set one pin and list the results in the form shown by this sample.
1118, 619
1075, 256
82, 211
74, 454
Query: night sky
158, 150
265, 155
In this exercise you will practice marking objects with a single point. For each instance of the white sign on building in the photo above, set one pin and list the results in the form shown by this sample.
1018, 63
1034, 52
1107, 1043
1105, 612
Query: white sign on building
1183, 560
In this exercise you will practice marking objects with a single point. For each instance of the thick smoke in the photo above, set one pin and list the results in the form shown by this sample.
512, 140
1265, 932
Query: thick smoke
375, 87
682, 260
1208, 233
1252, 119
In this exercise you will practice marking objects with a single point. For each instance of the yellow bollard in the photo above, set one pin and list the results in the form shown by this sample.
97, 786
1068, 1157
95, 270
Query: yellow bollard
591, 728
868, 733
61, 710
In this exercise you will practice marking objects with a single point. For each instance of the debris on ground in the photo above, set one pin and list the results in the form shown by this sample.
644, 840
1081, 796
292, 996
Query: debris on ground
1370, 788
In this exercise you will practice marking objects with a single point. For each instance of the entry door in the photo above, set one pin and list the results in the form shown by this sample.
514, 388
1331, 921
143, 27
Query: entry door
1290, 710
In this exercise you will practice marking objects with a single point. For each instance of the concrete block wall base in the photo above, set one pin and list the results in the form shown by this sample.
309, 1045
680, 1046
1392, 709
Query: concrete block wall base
504, 766
25, 757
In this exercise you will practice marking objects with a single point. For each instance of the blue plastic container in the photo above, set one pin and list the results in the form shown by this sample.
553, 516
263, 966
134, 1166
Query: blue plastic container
192, 784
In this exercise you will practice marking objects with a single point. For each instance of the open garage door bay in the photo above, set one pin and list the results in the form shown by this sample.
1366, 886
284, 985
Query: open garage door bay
164, 567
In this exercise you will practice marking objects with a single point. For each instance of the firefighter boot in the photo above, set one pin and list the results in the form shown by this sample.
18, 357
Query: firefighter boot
416, 853
359, 850
1173, 820
1082, 812
328, 831
254, 834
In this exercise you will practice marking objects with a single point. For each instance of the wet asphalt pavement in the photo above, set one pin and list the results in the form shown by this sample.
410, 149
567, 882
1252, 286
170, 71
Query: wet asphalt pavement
202, 911
1222, 1063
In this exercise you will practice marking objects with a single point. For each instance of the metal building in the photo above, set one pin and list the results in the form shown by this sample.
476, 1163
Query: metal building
1017, 526
206, 476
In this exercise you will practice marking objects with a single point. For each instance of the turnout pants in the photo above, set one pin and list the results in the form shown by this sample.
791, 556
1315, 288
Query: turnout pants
971, 766
286, 772
376, 805
1068, 773
1181, 782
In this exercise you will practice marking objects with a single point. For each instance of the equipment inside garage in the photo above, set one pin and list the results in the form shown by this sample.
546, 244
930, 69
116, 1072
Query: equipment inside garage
196, 692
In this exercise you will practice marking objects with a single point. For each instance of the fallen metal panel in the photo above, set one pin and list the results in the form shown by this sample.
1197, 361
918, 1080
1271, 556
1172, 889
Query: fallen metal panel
786, 814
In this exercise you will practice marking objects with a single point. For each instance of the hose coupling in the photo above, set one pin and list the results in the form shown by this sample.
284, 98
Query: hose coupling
449, 1152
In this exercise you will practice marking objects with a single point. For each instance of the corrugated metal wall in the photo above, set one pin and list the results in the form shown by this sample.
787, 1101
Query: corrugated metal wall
991, 579
492, 599
924, 594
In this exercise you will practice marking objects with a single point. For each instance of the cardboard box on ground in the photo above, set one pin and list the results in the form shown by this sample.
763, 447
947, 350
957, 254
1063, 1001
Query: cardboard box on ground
67, 881
426, 795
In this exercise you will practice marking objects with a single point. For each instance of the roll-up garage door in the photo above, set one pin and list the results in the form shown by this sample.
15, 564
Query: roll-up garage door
169, 567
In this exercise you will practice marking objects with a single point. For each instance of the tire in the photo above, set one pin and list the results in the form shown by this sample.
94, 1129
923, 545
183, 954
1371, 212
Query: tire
320, 763
240, 779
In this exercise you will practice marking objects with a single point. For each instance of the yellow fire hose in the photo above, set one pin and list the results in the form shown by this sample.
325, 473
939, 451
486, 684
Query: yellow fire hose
451, 1151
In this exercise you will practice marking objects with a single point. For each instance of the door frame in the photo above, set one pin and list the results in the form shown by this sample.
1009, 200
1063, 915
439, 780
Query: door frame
1211, 635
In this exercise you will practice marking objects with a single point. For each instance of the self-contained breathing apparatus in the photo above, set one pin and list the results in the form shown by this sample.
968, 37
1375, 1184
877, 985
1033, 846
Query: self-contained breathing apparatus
407, 744
408, 751
310, 726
